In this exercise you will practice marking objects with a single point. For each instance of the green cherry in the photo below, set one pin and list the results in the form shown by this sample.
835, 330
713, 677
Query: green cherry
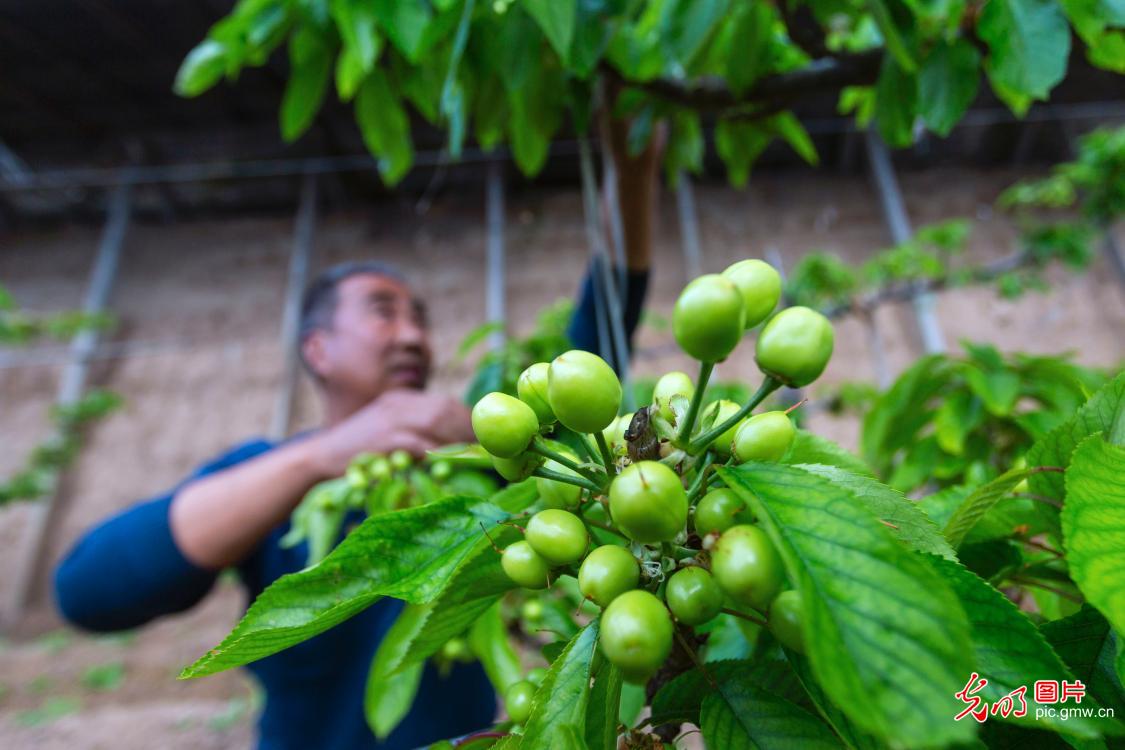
648, 503
760, 286
636, 634
532, 390
558, 494
524, 565
608, 572
519, 468
559, 537
716, 413
583, 391
785, 620
518, 701
671, 384
795, 346
693, 596
708, 319
504, 425
746, 566
718, 511
764, 437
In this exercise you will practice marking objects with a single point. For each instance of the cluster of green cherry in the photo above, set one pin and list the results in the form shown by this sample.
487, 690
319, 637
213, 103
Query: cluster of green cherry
670, 542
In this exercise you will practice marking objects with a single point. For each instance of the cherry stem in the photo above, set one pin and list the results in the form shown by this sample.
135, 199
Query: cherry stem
745, 616
695, 658
684, 437
539, 447
607, 457
603, 527
557, 476
489, 538
769, 385
796, 406
698, 483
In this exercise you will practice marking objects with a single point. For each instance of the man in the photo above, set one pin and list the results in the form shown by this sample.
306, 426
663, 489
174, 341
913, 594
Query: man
366, 344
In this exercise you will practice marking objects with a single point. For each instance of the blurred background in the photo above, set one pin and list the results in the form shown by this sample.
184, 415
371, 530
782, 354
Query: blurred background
186, 225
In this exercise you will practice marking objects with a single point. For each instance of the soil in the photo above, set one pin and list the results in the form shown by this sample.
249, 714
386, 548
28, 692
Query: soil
198, 363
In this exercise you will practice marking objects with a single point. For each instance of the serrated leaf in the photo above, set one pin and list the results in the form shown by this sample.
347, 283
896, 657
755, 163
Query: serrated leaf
389, 696
310, 64
1093, 525
742, 715
1104, 413
998, 389
901, 515
852, 736
556, 18
562, 698
739, 145
408, 554
1088, 645
681, 698
810, 448
488, 638
602, 710
980, 501
947, 84
404, 22
749, 55
1009, 650
886, 637
1028, 41
900, 412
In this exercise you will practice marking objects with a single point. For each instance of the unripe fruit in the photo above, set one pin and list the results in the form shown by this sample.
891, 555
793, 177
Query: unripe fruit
795, 346
760, 287
764, 437
636, 634
536, 675
441, 470
671, 384
532, 390
725, 410
747, 567
455, 649
379, 469
356, 476
719, 510
693, 596
708, 318
614, 434
583, 391
557, 494
532, 610
518, 701
608, 572
519, 468
785, 620
401, 460
559, 537
524, 565
648, 503
504, 425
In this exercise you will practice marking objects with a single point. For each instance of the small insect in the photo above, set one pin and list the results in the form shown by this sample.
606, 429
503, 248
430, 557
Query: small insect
641, 439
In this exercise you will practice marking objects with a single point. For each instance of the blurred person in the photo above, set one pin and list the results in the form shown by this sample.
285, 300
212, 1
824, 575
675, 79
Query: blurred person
365, 341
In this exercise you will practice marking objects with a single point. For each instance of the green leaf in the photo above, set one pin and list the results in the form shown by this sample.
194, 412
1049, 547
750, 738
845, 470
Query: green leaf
749, 55
385, 127
896, 94
902, 411
680, 699
740, 714
603, 707
362, 44
389, 695
562, 699
684, 151
1028, 41
739, 145
310, 63
947, 84
851, 735
980, 501
998, 389
882, 11
793, 132
408, 554
1093, 525
1088, 645
556, 19
488, 638
404, 22
887, 638
201, 69
1104, 413
1009, 650
902, 516
810, 448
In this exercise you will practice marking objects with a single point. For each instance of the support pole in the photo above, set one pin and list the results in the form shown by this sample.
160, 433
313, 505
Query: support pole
71, 386
305, 226
689, 226
894, 213
495, 302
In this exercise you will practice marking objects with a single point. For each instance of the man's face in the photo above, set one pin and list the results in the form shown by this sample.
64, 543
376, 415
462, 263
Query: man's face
378, 340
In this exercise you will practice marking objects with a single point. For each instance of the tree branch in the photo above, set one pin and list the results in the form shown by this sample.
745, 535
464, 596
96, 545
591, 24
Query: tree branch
822, 75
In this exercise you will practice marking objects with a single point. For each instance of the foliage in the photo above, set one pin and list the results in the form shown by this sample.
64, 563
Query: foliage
949, 421
510, 72
49, 458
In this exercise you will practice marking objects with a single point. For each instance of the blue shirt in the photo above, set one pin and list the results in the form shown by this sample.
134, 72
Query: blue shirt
129, 570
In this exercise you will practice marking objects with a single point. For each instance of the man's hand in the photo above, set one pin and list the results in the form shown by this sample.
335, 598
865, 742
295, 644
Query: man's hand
408, 420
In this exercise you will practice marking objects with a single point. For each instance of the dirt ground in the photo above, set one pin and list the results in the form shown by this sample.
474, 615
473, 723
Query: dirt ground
198, 364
